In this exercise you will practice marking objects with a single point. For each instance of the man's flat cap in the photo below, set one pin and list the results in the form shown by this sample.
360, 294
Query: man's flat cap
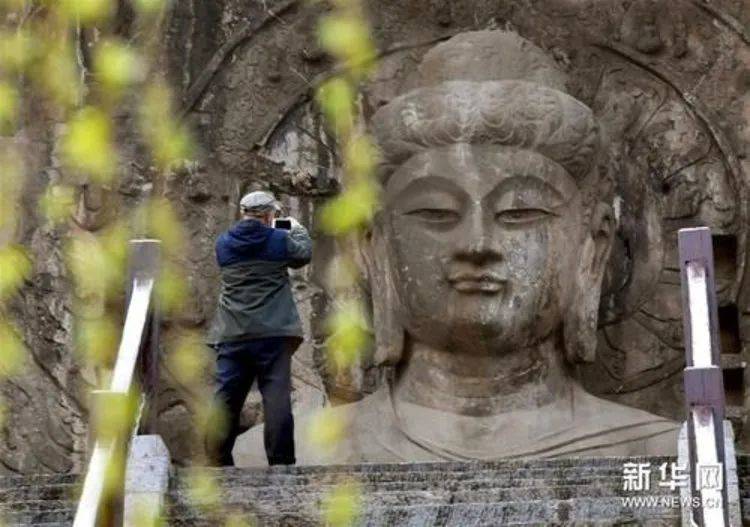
258, 201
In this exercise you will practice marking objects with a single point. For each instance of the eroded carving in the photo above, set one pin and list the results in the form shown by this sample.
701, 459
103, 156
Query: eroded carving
485, 267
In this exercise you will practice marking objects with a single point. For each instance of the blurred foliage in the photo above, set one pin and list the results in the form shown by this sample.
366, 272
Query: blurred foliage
17, 49
189, 359
159, 218
67, 63
149, 7
347, 328
147, 515
171, 293
344, 33
336, 98
58, 77
361, 157
341, 505
117, 66
11, 184
112, 414
87, 12
8, 107
12, 351
164, 225
97, 340
168, 138
87, 146
238, 520
98, 265
203, 489
352, 210
326, 430
15, 267
58, 202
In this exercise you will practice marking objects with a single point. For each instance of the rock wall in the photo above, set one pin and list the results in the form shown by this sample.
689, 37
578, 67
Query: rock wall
669, 81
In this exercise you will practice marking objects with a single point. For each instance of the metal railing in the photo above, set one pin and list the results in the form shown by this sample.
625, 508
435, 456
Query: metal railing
101, 502
704, 382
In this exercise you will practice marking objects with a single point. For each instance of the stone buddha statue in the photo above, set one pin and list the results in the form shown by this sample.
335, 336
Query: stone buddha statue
485, 266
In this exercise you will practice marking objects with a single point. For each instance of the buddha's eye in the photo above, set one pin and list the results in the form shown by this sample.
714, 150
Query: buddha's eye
435, 215
522, 216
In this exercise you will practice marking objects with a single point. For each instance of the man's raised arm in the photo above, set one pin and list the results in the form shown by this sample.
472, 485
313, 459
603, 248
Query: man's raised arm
298, 245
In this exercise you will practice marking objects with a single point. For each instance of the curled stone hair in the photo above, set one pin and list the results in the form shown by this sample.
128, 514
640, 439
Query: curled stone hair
507, 113
494, 87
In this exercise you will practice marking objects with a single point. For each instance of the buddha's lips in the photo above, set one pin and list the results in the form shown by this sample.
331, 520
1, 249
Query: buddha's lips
476, 282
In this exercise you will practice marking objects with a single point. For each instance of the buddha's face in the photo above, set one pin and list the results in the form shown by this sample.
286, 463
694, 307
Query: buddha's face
484, 242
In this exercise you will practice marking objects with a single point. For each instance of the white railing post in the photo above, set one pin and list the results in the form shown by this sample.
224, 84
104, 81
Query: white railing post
101, 503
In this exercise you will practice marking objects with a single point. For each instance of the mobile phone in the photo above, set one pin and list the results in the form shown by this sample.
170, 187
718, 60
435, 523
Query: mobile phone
282, 223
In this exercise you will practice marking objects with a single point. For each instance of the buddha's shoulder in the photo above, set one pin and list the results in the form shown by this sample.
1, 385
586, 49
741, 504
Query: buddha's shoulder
603, 410
632, 430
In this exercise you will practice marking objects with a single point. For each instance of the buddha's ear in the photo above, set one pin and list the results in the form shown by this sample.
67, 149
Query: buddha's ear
374, 260
580, 325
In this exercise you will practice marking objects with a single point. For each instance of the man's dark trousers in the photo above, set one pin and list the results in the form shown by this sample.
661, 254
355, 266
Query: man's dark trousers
238, 364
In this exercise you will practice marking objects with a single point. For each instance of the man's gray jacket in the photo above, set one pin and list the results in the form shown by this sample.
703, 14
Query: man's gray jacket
256, 297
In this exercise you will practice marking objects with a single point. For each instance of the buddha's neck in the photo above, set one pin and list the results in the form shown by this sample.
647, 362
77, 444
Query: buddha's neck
479, 385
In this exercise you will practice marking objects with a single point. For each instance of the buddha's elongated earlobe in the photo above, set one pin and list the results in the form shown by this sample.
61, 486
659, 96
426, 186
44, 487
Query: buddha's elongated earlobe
389, 334
580, 324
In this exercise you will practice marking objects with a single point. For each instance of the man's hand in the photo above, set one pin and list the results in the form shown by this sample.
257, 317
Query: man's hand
299, 244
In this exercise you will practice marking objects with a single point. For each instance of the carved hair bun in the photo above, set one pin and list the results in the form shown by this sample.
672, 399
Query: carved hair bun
509, 113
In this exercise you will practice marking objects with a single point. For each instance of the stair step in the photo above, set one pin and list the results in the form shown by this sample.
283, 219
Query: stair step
38, 517
541, 512
574, 491
312, 497
444, 466
35, 505
33, 480
443, 486
262, 479
43, 524
69, 491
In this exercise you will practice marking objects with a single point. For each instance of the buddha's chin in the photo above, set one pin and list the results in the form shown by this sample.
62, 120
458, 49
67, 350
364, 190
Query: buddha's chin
476, 337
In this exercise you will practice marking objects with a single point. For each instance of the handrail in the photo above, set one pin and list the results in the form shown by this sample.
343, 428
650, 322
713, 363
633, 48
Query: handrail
137, 345
704, 385
132, 335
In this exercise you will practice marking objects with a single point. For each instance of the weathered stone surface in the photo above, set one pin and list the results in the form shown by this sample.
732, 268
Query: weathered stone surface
523, 492
632, 65
670, 83
146, 478
533, 492
484, 267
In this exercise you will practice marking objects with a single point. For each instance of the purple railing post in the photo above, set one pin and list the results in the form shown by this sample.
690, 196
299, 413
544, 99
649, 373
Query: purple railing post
704, 383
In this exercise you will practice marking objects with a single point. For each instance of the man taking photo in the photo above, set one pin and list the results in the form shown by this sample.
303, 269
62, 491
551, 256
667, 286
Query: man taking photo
257, 328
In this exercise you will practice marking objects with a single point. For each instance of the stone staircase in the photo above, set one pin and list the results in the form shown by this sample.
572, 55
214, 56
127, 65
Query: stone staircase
523, 492
45, 500
528, 492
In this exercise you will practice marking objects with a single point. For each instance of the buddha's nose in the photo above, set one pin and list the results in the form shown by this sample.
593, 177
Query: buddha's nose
476, 242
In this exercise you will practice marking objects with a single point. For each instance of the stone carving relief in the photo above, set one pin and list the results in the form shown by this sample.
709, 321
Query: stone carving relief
665, 82
671, 168
485, 267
